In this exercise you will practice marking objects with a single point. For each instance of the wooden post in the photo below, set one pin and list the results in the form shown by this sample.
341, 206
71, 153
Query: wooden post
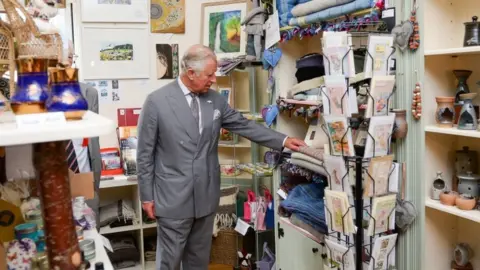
54, 192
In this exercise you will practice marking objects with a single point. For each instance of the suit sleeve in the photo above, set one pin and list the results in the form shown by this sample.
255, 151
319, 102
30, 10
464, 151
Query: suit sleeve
234, 121
147, 140
93, 98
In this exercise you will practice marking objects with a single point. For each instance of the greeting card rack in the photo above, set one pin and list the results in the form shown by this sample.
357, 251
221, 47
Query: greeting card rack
356, 238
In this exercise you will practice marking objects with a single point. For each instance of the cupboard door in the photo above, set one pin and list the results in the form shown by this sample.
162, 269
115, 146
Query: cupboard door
296, 251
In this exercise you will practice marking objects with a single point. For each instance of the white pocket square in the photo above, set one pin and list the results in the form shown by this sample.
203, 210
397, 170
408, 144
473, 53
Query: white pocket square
216, 114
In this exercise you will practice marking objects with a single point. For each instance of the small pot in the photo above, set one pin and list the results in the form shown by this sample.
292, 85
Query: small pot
448, 198
472, 33
445, 113
465, 202
401, 125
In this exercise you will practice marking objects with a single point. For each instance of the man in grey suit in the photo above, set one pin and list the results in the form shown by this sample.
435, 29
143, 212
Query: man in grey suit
177, 159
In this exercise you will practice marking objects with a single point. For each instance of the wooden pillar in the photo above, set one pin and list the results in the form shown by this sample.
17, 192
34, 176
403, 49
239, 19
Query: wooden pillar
54, 192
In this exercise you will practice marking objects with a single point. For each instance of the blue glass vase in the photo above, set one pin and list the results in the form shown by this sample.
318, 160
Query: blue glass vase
32, 86
65, 93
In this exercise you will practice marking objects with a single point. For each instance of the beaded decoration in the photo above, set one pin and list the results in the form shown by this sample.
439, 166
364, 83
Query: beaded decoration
417, 102
414, 41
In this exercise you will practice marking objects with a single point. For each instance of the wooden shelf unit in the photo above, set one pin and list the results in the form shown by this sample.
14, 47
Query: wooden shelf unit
446, 226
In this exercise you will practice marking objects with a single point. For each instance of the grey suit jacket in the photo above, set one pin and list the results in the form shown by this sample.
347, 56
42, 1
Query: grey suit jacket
91, 95
176, 166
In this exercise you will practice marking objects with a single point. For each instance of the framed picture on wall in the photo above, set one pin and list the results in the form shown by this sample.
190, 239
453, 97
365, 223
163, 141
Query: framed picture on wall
221, 29
115, 11
115, 53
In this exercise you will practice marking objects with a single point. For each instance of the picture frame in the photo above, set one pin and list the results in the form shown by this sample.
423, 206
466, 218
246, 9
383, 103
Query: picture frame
121, 11
225, 17
115, 53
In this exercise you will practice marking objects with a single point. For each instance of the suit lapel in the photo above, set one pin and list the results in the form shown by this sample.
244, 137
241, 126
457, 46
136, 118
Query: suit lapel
182, 112
206, 105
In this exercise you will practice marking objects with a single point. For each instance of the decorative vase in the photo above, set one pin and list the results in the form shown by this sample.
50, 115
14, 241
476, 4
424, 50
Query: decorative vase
468, 117
66, 95
401, 125
445, 112
32, 86
462, 86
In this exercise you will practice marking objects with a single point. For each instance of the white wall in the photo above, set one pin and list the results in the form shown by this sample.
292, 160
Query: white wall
133, 92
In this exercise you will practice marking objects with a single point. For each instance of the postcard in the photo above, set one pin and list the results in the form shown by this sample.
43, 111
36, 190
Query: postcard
341, 142
383, 208
380, 48
380, 90
340, 39
335, 96
338, 174
382, 255
339, 213
335, 60
378, 140
339, 255
378, 174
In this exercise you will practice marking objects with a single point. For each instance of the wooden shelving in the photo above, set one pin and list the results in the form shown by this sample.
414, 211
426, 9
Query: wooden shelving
473, 215
453, 131
453, 51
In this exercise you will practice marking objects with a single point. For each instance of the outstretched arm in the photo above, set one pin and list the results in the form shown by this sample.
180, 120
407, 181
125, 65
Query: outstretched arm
234, 121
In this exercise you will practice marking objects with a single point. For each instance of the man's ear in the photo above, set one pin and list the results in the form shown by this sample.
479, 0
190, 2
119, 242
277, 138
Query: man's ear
191, 74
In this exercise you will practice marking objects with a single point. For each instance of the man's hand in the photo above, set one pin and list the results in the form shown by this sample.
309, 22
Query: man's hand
294, 144
149, 208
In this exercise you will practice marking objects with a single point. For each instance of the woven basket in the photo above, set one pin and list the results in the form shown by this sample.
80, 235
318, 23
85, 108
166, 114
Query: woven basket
31, 43
224, 248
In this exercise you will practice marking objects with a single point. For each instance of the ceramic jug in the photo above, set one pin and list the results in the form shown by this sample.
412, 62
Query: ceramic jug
401, 125
32, 86
445, 112
66, 95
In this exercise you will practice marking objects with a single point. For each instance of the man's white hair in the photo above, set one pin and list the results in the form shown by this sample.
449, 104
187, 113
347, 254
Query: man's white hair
195, 58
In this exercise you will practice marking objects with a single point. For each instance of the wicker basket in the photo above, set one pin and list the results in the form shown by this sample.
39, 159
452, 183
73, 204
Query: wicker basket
224, 248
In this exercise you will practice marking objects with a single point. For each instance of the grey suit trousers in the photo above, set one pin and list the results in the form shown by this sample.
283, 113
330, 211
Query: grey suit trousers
185, 241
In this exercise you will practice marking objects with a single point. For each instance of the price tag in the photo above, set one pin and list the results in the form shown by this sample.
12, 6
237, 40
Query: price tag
40, 120
242, 227
282, 194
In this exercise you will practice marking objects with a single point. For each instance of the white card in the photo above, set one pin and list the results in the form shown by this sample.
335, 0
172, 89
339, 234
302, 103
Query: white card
242, 227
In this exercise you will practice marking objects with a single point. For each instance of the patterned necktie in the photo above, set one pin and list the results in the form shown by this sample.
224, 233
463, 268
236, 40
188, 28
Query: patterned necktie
194, 107
72, 157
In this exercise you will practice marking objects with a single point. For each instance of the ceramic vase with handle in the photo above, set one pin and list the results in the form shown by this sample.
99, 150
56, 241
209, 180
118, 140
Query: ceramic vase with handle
66, 95
445, 113
32, 86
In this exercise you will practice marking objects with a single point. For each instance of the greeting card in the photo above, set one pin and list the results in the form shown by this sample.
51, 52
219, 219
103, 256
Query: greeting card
383, 209
338, 174
340, 255
378, 139
341, 143
378, 175
338, 215
335, 97
380, 90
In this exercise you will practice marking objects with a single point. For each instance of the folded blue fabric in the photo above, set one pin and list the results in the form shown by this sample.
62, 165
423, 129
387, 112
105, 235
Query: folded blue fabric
306, 202
329, 13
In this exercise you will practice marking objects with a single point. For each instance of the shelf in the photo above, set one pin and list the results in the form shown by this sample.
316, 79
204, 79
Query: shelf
100, 252
473, 215
454, 51
149, 225
107, 230
453, 131
118, 181
92, 125
287, 221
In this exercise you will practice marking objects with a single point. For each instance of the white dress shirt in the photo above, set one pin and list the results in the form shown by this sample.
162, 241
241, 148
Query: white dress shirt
81, 152
187, 92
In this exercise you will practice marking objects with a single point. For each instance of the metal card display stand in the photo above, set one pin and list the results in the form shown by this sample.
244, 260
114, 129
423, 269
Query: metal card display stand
358, 163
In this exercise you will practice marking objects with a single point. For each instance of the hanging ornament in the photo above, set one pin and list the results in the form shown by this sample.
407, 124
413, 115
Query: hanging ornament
414, 42
417, 102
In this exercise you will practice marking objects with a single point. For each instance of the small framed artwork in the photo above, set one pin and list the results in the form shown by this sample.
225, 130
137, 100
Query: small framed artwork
167, 16
167, 61
114, 11
221, 29
115, 53
226, 92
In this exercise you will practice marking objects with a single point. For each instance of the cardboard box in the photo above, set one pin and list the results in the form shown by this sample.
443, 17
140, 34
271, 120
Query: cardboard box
81, 184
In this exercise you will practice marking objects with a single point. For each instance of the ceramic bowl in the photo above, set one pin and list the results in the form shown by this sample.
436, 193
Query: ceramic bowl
465, 202
448, 197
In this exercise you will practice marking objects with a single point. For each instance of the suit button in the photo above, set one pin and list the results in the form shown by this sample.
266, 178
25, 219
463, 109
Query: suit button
181, 142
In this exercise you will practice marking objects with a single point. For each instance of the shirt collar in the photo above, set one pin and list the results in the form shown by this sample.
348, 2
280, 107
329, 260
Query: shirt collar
185, 90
